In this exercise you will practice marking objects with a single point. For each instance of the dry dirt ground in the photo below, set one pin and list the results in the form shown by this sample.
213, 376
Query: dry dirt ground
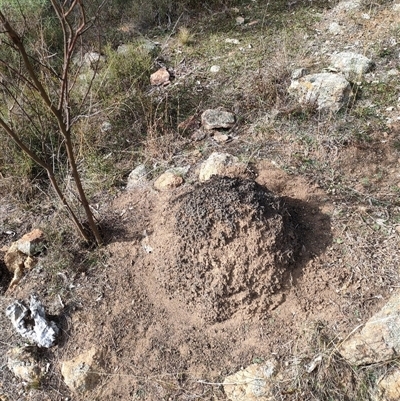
162, 339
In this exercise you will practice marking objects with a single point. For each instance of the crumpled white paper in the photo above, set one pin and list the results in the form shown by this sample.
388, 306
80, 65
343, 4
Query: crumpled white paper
32, 322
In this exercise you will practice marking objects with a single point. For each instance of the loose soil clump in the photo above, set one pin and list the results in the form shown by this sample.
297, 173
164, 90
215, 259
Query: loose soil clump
224, 246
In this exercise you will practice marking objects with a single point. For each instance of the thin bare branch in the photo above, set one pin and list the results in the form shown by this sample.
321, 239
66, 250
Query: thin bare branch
60, 110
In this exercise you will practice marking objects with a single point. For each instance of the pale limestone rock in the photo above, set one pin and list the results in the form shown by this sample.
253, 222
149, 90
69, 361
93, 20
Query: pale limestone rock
160, 77
137, 177
252, 384
389, 387
216, 164
232, 41
214, 119
379, 340
106, 126
299, 73
198, 135
349, 5
32, 243
81, 374
168, 180
91, 60
24, 364
335, 29
353, 66
18, 257
93, 57
327, 91
221, 138
215, 68
14, 259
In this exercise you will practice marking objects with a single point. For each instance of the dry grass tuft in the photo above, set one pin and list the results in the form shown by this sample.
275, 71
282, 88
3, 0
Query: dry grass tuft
185, 37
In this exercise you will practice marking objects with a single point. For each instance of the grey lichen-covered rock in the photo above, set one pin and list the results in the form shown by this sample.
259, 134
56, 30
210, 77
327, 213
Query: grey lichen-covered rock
326, 91
352, 65
217, 164
81, 374
389, 387
137, 177
252, 384
22, 361
379, 340
214, 119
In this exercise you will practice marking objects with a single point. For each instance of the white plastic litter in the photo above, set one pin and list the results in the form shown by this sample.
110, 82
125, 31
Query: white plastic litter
32, 322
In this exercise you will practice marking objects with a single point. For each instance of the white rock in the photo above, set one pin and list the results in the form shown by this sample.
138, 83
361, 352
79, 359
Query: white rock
393, 72
216, 164
327, 91
379, 340
137, 177
396, 7
123, 49
352, 65
335, 29
106, 126
215, 68
252, 384
300, 72
214, 119
348, 5
232, 41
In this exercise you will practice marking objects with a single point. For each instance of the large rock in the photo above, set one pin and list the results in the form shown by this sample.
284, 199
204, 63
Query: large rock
222, 164
326, 91
214, 119
352, 65
389, 387
379, 340
24, 364
251, 384
81, 374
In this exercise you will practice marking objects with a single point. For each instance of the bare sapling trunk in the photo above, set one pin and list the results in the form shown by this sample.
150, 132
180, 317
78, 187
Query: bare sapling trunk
33, 72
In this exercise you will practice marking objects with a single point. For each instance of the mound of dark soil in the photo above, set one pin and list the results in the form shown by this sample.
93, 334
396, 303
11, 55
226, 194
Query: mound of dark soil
224, 246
